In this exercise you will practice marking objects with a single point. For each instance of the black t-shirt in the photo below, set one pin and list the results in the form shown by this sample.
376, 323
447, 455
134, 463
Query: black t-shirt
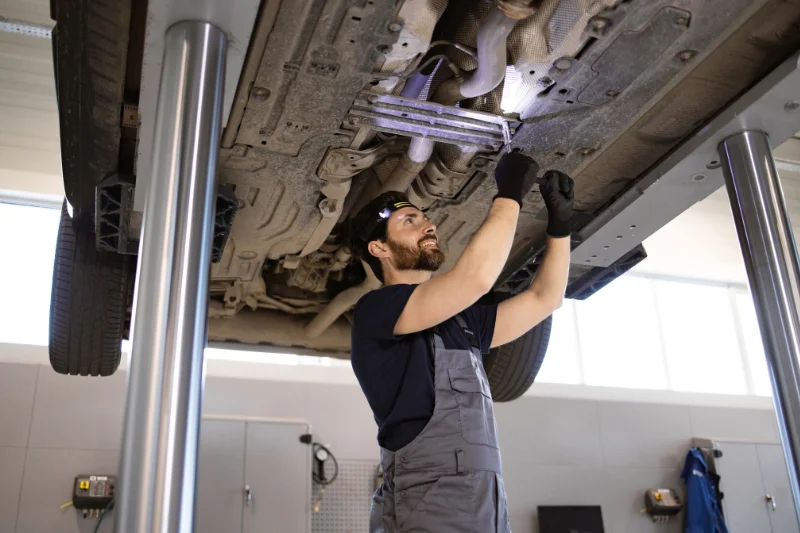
395, 371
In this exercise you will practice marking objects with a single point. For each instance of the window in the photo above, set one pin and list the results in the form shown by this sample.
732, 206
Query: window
700, 338
753, 347
638, 332
561, 363
619, 336
28, 241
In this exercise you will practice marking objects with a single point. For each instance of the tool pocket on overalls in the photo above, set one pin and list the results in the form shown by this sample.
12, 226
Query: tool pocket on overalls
410, 498
475, 406
445, 505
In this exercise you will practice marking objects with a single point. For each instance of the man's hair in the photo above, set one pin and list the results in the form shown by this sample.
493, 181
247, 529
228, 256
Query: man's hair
359, 240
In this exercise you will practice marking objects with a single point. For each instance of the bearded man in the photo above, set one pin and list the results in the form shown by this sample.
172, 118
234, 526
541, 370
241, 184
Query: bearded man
417, 346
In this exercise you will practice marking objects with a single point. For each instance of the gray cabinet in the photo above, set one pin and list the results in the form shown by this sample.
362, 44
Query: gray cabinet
220, 476
278, 473
253, 477
776, 483
755, 483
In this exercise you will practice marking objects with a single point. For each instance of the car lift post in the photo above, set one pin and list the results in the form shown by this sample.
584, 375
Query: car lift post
162, 415
770, 257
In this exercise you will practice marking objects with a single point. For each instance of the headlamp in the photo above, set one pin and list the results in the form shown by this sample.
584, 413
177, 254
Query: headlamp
377, 223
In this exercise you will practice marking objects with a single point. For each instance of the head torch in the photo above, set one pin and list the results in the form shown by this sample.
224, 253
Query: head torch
376, 224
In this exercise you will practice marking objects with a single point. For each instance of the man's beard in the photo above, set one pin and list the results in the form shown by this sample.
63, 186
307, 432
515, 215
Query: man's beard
419, 258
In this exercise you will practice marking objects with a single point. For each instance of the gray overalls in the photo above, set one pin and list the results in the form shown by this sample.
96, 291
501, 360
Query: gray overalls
448, 479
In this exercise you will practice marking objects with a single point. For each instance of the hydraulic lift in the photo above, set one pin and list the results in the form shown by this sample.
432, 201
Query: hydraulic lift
162, 420
162, 417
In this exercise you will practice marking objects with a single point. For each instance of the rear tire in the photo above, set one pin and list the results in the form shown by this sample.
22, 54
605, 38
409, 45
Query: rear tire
512, 368
89, 301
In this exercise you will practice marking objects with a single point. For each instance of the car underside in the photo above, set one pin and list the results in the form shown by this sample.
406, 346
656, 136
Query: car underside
585, 89
339, 101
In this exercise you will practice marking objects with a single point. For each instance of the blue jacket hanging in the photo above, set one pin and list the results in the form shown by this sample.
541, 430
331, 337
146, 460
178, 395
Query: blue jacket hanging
703, 513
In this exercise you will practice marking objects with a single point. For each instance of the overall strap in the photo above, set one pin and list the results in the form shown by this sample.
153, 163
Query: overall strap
435, 339
473, 340
435, 344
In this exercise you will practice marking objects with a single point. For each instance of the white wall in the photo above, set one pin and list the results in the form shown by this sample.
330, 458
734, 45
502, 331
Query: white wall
556, 450
30, 152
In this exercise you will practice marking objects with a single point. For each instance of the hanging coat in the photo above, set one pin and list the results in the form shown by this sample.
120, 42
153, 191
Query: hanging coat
703, 512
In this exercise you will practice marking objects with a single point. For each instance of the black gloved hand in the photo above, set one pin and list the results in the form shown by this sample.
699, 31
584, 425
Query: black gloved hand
558, 193
515, 175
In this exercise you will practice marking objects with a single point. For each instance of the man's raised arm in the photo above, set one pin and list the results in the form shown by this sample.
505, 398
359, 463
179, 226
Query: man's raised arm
476, 271
519, 314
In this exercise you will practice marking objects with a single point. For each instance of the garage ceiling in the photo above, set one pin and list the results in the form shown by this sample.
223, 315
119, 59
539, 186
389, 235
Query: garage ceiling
702, 242
36, 12
29, 140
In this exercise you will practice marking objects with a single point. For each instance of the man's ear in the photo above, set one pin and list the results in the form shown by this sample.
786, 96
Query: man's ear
378, 249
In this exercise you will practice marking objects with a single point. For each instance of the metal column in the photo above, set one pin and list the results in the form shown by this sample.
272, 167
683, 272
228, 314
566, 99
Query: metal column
770, 256
162, 416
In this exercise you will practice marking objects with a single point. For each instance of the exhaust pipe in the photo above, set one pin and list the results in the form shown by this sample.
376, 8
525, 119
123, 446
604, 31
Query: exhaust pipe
410, 165
341, 303
492, 37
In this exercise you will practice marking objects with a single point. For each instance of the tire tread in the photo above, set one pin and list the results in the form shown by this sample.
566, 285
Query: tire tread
512, 368
88, 304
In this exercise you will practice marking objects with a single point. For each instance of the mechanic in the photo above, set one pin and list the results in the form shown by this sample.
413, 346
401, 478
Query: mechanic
417, 345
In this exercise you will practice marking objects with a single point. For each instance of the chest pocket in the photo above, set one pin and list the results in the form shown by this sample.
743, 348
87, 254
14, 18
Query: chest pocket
471, 389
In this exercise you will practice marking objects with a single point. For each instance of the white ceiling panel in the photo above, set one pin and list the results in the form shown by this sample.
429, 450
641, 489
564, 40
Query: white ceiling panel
35, 12
702, 242
30, 159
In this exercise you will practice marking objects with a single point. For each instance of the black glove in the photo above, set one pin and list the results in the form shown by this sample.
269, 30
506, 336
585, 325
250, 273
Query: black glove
515, 175
557, 192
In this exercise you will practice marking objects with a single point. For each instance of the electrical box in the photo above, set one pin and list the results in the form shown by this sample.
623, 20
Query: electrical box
661, 504
93, 493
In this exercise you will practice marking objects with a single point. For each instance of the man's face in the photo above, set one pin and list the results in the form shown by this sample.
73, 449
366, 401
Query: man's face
413, 242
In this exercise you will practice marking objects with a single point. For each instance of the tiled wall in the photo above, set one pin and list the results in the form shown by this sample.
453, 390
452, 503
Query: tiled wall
51, 429
555, 450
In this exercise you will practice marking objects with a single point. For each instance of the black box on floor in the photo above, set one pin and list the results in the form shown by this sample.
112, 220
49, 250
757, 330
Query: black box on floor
93, 491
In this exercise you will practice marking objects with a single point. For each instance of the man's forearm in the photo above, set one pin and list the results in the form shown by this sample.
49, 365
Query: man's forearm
551, 278
486, 254
520, 313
